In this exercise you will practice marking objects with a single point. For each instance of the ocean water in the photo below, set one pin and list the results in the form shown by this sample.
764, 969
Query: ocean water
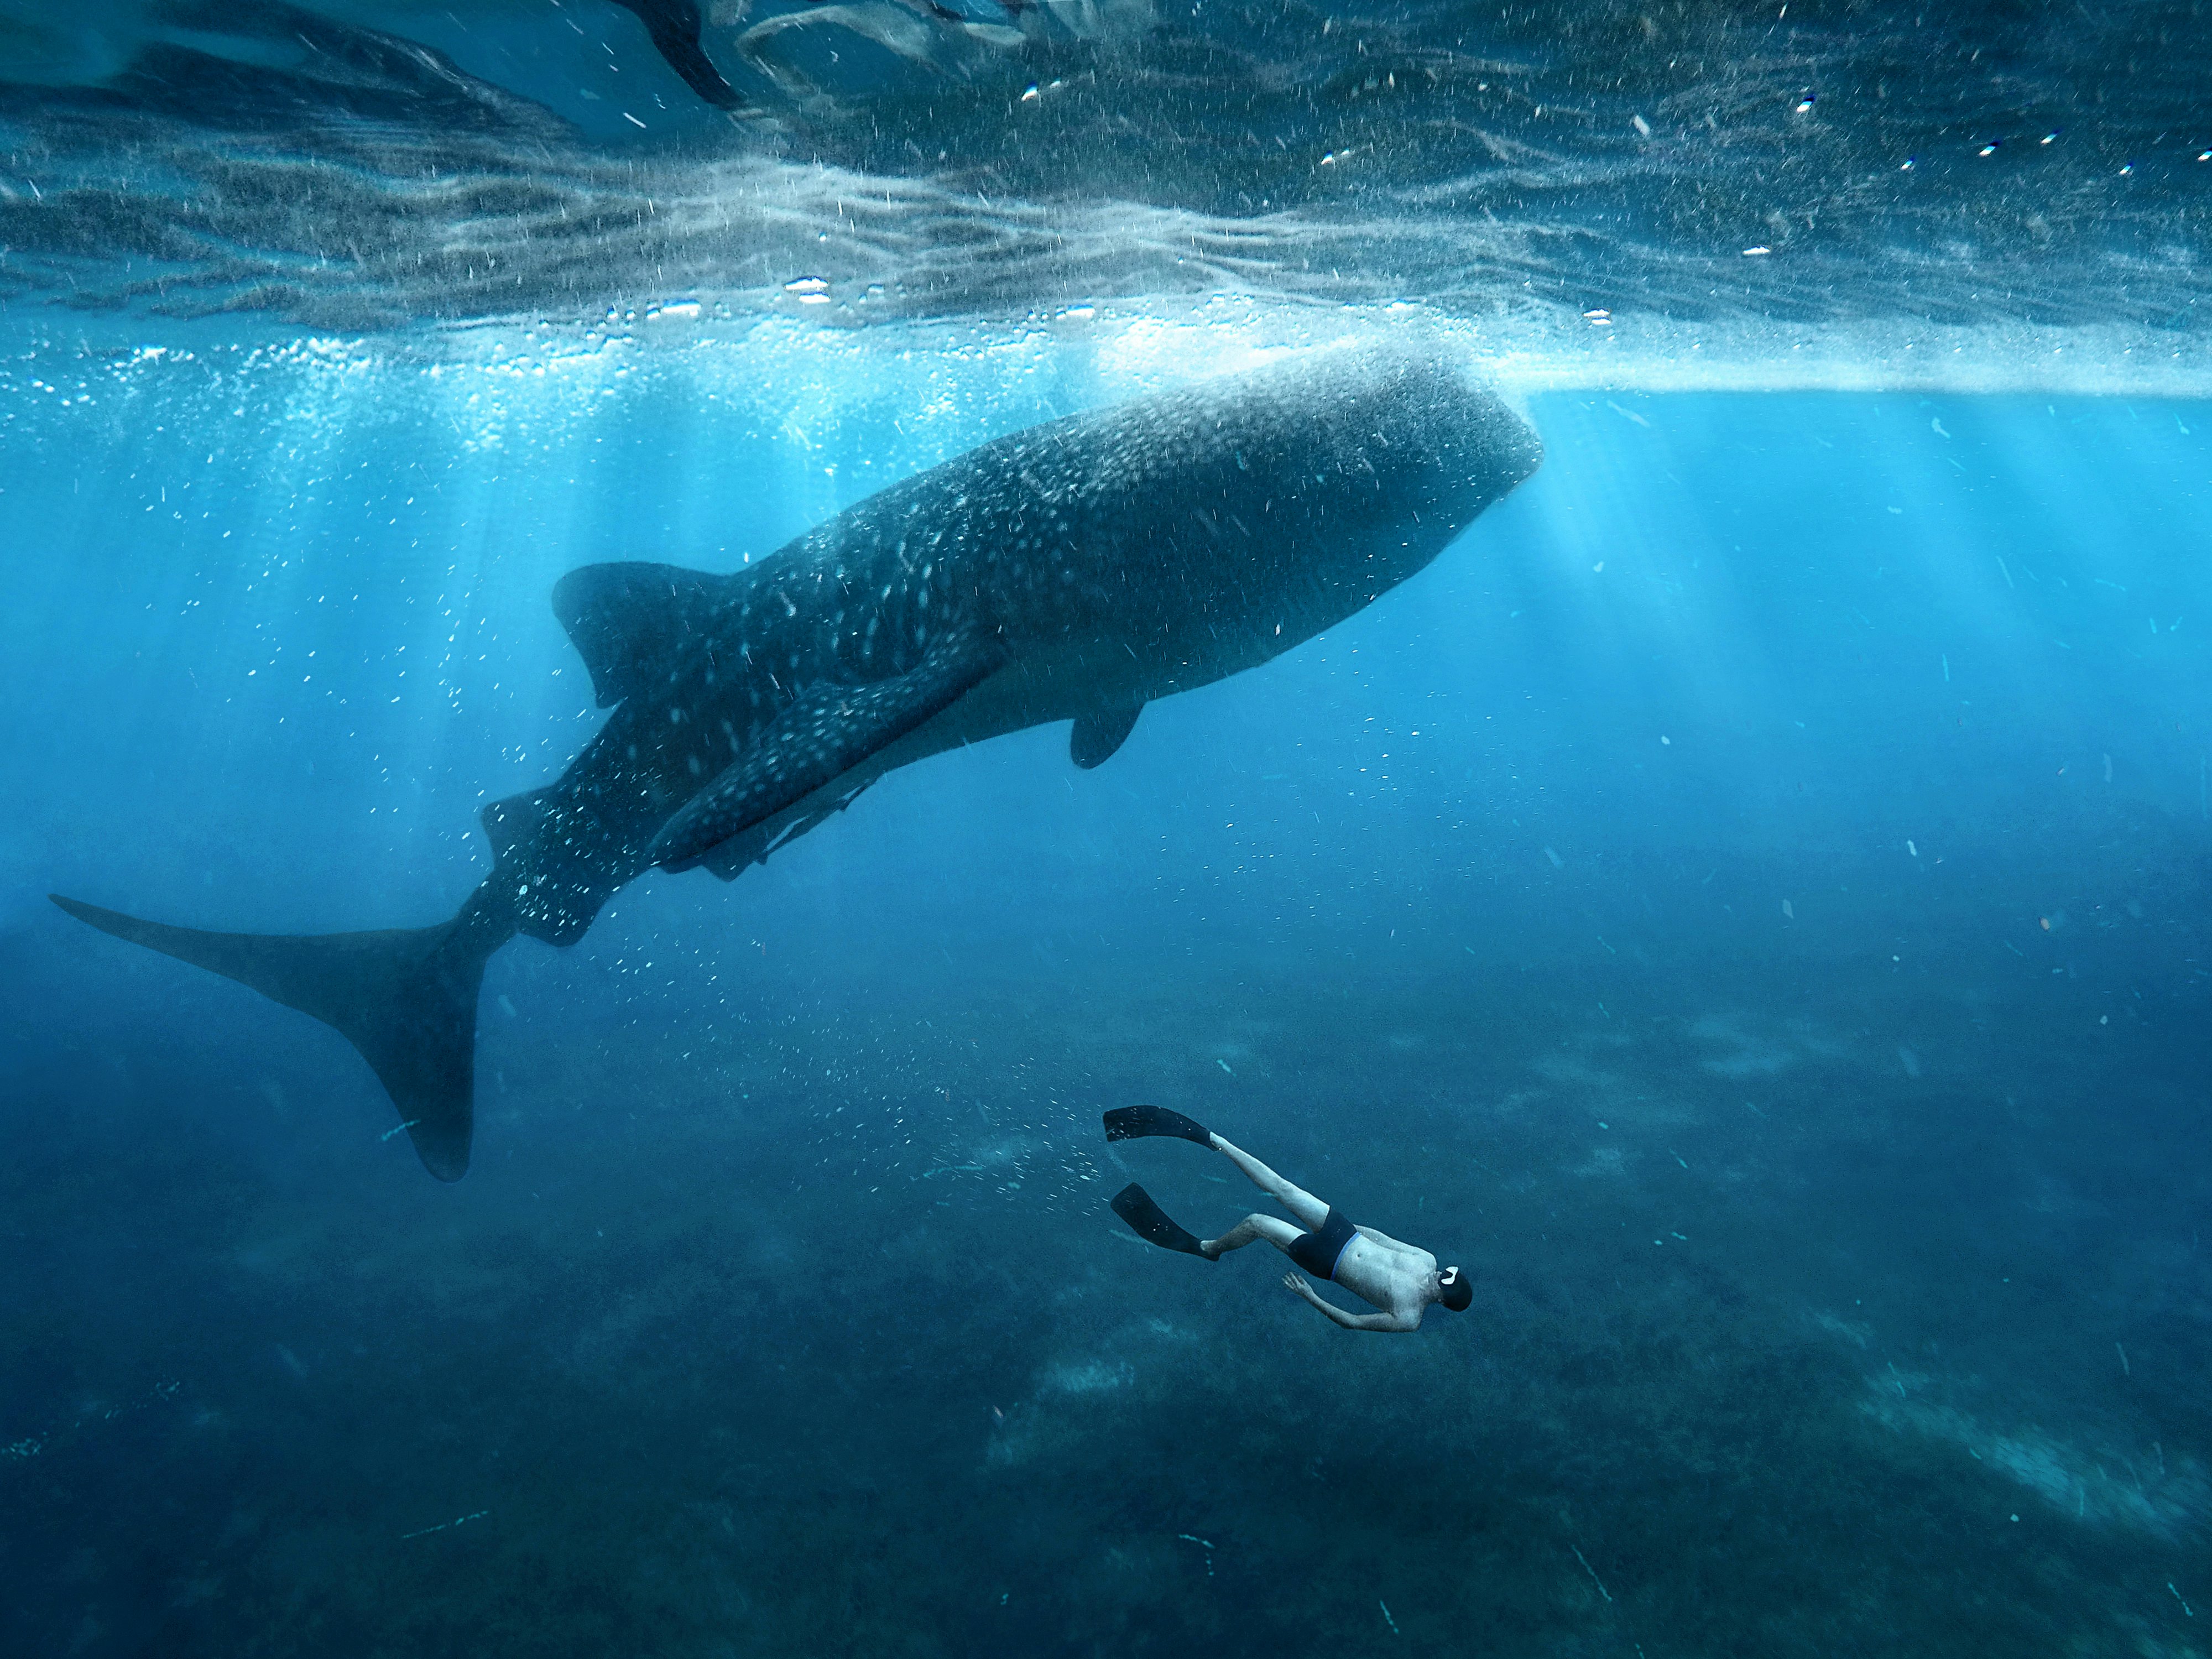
1744, 902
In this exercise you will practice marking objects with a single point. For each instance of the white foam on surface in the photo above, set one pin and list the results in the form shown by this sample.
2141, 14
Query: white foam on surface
504, 374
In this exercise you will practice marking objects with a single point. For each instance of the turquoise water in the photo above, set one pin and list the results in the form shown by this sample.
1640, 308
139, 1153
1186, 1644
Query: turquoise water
1745, 901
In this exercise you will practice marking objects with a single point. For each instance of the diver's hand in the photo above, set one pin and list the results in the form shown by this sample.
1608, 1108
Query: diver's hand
1336, 1316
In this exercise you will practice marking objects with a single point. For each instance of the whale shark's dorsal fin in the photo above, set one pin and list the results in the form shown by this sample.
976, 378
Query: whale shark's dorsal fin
1099, 733
623, 619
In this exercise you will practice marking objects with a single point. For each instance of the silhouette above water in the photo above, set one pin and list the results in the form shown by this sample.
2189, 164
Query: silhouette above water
273, 64
1075, 571
673, 25
1400, 1279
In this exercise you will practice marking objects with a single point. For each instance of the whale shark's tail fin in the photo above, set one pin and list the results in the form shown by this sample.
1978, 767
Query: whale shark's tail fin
405, 998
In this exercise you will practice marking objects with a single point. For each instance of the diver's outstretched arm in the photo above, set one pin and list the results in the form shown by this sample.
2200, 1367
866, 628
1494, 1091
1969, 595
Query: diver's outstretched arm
1350, 1322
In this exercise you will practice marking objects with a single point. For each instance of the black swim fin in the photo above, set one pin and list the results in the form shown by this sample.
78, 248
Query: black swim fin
1150, 1222
1132, 1122
405, 998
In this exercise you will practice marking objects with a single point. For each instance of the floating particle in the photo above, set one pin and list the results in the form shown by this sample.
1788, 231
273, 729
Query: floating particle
1579, 1556
444, 1526
1788, 910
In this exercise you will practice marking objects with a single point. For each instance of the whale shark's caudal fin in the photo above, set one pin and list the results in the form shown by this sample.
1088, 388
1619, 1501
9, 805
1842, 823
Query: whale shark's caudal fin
405, 998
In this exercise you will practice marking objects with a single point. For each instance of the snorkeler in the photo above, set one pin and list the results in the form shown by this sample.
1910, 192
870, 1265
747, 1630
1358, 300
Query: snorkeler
1400, 1279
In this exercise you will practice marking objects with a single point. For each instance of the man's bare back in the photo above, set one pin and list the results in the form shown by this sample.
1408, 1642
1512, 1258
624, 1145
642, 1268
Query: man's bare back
1400, 1279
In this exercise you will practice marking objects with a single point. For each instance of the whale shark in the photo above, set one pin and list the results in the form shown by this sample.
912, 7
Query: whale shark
1074, 571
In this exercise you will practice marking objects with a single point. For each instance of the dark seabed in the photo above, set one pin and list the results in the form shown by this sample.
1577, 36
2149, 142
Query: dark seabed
1801, 1352
1746, 902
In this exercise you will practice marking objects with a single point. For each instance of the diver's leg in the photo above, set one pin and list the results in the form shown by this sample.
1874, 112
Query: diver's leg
1277, 1231
1309, 1210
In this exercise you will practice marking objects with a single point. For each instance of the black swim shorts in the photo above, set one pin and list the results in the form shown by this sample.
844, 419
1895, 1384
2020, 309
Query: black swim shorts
1319, 1253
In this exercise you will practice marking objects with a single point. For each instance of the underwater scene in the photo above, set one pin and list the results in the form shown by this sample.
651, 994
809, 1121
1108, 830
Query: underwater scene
738, 728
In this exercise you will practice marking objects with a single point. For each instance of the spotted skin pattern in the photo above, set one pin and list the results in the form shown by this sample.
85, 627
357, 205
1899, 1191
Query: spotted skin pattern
1075, 572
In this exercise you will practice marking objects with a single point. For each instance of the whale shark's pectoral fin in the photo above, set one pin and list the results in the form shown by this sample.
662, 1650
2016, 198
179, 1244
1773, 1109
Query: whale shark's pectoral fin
625, 619
1099, 733
728, 859
825, 732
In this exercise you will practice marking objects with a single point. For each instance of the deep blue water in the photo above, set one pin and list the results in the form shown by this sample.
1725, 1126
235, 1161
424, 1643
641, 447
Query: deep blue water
1746, 901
